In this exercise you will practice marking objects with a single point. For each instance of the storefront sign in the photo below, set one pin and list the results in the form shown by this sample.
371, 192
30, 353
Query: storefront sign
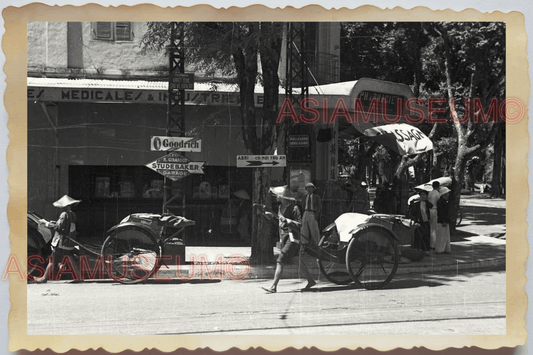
182, 81
299, 141
175, 166
260, 161
333, 158
125, 96
177, 144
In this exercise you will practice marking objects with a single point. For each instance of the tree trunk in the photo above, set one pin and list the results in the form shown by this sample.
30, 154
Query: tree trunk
262, 246
264, 132
497, 164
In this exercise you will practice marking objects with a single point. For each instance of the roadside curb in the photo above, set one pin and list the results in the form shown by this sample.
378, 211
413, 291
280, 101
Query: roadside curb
243, 272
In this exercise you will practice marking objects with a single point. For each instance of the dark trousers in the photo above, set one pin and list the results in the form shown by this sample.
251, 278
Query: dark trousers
421, 237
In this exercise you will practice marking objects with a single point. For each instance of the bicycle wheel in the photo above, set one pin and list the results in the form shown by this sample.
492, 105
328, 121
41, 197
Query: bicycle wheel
459, 218
372, 257
130, 253
333, 271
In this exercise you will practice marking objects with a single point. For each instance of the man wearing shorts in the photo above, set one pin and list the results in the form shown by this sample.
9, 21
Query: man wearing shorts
289, 218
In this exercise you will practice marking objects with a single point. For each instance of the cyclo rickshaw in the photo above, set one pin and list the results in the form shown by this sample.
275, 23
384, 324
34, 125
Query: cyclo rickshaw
365, 249
132, 249
361, 248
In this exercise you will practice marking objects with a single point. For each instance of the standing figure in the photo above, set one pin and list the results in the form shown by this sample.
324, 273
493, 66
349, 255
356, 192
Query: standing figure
389, 199
244, 215
420, 212
433, 197
442, 244
379, 201
289, 219
62, 245
360, 203
312, 205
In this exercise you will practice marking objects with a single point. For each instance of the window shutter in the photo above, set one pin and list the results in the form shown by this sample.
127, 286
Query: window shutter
104, 30
123, 31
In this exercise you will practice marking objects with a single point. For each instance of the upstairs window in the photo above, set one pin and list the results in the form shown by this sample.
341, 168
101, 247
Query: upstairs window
112, 31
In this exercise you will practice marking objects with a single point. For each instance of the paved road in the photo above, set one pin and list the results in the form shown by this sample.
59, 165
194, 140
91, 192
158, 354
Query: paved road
443, 303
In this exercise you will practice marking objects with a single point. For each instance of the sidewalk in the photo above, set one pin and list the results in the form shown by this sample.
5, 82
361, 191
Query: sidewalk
480, 241
470, 253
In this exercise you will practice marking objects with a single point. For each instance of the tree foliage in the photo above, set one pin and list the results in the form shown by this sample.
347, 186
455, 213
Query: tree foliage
456, 61
246, 52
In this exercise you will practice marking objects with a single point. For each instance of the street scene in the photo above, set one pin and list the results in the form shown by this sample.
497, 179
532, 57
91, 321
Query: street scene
463, 293
266, 178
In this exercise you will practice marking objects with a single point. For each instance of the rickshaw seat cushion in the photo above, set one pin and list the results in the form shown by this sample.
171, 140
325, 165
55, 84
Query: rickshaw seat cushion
347, 222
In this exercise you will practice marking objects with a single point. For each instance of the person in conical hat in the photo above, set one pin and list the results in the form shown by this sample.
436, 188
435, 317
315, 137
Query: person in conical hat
283, 192
442, 242
289, 219
62, 243
65, 201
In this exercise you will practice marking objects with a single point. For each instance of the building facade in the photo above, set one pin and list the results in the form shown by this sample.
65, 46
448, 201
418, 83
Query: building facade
95, 101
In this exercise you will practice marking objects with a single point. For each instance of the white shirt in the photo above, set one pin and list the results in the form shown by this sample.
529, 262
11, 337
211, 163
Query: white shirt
433, 197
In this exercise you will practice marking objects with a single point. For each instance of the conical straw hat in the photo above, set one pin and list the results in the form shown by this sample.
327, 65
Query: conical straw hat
283, 192
65, 201
242, 194
443, 191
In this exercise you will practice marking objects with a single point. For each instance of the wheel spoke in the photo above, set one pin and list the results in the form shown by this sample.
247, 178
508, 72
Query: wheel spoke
333, 271
130, 253
367, 258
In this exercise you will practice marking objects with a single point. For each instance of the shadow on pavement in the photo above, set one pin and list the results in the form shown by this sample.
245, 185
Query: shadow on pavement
404, 283
483, 215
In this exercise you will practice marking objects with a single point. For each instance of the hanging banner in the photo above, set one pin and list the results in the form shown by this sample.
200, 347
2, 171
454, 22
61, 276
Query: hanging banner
401, 137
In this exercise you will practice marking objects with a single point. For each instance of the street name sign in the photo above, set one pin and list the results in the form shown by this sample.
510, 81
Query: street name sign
182, 81
299, 141
176, 144
175, 166
260, 161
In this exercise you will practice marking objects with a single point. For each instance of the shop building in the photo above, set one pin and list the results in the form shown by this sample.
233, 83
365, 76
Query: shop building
94, 102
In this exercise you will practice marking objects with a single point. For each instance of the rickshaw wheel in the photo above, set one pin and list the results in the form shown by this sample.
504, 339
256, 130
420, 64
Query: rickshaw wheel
35, 248
333, 271
372, 257
130, 253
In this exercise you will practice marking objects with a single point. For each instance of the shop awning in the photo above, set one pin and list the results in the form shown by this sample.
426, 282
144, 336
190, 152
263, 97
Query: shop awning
348, 105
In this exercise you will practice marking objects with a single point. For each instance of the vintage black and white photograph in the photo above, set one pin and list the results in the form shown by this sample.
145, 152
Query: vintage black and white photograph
266, 178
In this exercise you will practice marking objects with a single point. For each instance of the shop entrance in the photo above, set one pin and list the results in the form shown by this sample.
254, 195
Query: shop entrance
218, 201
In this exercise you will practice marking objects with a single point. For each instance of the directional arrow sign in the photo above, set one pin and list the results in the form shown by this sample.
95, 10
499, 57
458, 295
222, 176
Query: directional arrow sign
175, 166
255, 161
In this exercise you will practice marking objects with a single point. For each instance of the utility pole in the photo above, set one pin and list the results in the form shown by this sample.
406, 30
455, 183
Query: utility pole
297, 78
176, 101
